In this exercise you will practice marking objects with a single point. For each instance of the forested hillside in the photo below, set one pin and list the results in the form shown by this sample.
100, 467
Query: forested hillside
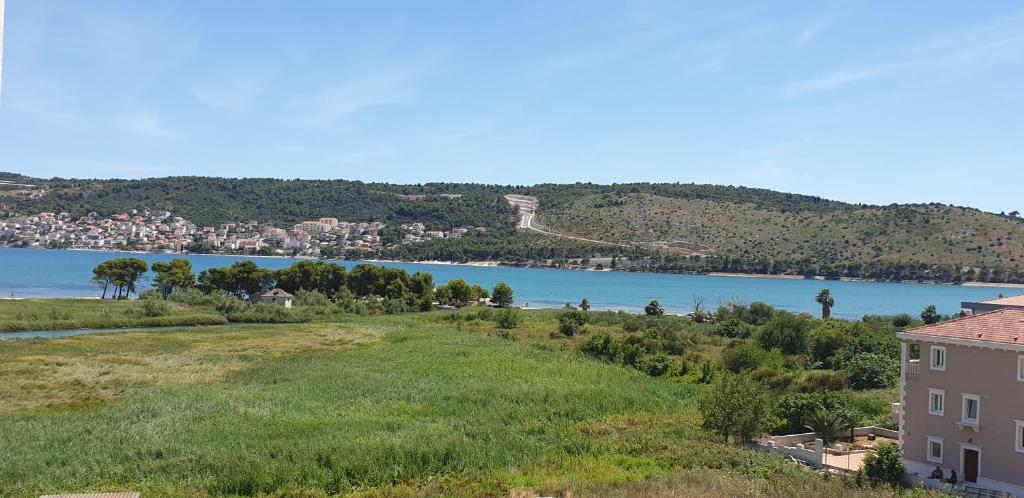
211, 201
929, 234
736, 228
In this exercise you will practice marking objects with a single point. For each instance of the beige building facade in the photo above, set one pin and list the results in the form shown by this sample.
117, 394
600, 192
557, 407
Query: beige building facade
962, 400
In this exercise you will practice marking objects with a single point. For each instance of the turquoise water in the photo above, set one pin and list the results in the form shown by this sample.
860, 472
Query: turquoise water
51, 273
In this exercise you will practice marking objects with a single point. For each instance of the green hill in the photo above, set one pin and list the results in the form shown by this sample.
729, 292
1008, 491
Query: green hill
656, 226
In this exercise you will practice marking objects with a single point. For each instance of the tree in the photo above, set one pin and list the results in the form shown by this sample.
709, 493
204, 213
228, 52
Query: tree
585, 305
460, 291
826, 301
508, 318
443, 294
654, 309
122, 273
871, 371
734, 405
101, 277
502, 295
244, 280
786, 332
930, 315
173, 275
827, 340
884, 465
747, 355
570, 321
828, 423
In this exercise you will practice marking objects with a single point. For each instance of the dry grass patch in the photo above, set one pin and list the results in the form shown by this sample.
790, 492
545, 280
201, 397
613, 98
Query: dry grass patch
85, 370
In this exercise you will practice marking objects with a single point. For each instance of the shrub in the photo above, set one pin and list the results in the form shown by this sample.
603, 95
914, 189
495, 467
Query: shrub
509, 318
778, 380
394, 306
871, 371
600, 345
655, 365
192, 296
633, 324
310, 298
884, 465
826, 341
654, 308
746, 355
822, 380
570, 321
733, 328
736, 406
154, 308
784, 331
902, 320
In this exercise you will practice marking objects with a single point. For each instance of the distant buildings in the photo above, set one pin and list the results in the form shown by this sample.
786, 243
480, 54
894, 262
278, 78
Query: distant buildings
159, 231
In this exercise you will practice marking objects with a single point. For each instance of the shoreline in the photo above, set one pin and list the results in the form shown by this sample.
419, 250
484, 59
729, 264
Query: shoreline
495, 264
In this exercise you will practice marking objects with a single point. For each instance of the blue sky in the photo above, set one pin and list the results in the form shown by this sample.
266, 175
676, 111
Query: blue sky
861, 101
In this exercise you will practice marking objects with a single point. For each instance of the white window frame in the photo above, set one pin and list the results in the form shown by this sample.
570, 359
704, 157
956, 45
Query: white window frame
936, 392
963, 410
931, 358
928, 449
1018, 436
1020, 368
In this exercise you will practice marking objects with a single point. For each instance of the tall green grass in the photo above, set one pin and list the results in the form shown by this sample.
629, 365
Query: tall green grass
60, 314
424, 403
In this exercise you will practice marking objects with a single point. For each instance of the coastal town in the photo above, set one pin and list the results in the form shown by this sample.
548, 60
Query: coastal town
161, 231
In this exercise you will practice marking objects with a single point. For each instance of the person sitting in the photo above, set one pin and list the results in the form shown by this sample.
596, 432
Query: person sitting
952, 477
937, 473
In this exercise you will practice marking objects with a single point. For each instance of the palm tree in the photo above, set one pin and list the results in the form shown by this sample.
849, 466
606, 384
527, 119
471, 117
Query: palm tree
829, 423
826, 301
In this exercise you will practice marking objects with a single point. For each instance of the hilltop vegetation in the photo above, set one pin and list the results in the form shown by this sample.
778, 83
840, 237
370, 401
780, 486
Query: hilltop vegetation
211, 201
927, 234
734, 229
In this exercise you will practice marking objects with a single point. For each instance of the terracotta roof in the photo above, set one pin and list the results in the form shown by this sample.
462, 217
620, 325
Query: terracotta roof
277, 293
1008, 301
1005, 326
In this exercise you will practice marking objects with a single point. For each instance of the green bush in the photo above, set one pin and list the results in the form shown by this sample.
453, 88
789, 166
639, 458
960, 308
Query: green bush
746, 355
509, 318
310, 298
871, 371
902, 320
884, 465
822, 380
733, 328
600, 345
570, 321
786, 332
154, 308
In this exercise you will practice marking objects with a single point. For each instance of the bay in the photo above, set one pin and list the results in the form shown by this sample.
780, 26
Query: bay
61, 273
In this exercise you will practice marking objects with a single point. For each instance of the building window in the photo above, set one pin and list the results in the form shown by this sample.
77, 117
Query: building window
934, 449
938, 358
1018, 443
971, 409
1020, 368
936, 402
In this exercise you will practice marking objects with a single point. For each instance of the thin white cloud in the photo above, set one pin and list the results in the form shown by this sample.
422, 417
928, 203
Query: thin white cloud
361, 156
970, 49
145, 124
235, 92
810, 32
325, 107
830, 81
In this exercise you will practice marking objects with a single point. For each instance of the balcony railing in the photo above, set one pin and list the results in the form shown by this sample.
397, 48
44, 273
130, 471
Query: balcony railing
914, 366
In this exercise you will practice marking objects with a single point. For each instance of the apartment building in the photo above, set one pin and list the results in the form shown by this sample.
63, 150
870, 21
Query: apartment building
962, 400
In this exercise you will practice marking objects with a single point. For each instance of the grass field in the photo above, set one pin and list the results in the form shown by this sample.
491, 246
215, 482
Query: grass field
382, 406
59, 314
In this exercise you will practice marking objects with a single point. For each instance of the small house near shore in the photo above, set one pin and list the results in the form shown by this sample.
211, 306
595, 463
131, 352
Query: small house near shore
277, 296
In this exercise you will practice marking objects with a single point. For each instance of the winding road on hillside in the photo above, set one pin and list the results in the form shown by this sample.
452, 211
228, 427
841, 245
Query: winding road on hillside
527, 207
